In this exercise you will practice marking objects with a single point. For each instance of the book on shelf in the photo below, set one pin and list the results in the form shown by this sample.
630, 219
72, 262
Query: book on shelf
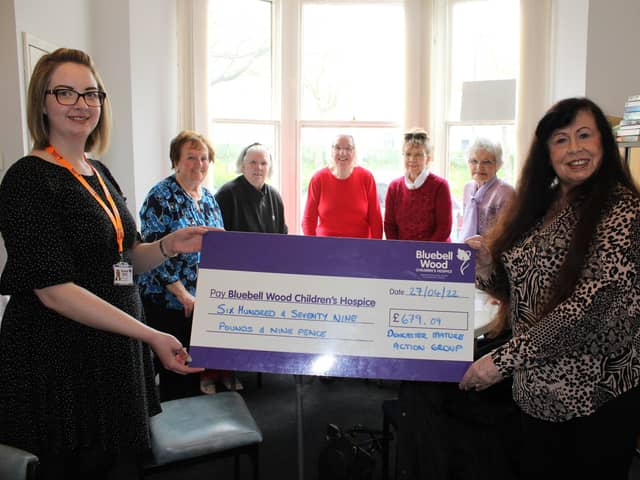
633, 103
625, 122
628, 130
633, 98
632, 108
627, 138
631, 115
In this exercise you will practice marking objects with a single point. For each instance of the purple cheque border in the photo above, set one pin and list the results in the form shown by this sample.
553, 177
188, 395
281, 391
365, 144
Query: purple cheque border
327, 256
344, 366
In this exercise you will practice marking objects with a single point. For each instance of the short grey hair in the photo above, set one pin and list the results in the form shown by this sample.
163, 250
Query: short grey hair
344, 135
254, 147
482, 143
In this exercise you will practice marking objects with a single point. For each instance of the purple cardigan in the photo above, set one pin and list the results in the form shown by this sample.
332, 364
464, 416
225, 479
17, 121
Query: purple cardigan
498, 195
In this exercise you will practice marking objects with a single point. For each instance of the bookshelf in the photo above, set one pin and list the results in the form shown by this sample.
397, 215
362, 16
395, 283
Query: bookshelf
628, 136
631, 154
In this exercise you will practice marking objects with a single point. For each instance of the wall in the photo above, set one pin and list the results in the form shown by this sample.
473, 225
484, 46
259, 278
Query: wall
154, 90
613, 72
133, 43
50, 22
46, 21
594, 53
10, 81
111, 52
134, 46
569, 56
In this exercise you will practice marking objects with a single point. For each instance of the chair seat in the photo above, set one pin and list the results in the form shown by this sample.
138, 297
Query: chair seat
17, 464
192, 427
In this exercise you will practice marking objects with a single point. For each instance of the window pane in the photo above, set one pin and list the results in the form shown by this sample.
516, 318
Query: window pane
460, 137
229, 140
353, 62
239, 69
377, 149
484, 45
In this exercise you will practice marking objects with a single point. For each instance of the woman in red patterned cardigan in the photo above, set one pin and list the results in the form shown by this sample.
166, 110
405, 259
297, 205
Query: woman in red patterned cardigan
418, 205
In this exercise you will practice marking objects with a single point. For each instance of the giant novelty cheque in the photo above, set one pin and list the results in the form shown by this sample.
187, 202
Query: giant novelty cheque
334, 306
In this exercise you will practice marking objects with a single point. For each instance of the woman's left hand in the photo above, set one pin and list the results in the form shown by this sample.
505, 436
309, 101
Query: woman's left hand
481, 375
171, 353
476, 242
186, 240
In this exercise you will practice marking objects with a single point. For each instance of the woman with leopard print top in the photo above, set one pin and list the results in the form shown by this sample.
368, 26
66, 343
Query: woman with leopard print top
566, 264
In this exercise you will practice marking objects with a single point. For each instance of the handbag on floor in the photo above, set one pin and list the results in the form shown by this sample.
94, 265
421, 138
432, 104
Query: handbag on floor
350, 454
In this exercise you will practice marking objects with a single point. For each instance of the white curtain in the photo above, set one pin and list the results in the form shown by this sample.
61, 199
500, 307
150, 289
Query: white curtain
533, 92
418, 41
192, 64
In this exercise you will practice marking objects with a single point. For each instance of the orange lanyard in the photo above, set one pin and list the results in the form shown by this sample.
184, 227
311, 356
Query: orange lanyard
112, 213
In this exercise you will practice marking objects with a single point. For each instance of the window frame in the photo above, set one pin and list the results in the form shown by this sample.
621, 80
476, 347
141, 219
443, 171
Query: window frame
443, 80
426, 102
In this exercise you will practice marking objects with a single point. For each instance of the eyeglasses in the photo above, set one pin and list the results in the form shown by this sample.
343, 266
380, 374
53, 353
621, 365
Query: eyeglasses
415, 154
419, 137
338, 148
69, 97
483, 163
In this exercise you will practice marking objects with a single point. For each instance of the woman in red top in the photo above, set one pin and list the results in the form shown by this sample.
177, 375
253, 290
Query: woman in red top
342, 200
418, 205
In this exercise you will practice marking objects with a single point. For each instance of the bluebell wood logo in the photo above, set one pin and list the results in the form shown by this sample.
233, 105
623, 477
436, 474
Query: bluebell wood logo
465, 257
440, 262
434, 261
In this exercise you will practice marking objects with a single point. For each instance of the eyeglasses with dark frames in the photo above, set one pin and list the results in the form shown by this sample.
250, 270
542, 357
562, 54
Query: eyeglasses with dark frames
69, 97
419, 137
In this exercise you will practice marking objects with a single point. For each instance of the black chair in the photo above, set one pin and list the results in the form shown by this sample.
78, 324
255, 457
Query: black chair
16, 464
202, 428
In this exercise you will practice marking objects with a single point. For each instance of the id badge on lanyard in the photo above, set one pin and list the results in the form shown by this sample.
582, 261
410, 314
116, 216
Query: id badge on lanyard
122, 274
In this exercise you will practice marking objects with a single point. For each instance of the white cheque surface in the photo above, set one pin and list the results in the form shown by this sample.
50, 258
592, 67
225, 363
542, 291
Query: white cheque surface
334, 315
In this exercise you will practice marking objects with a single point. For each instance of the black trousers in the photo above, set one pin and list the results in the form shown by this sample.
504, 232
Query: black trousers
447, 434
600, 446
172, 385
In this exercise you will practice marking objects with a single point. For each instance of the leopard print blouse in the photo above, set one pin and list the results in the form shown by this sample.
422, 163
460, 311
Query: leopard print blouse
587, 350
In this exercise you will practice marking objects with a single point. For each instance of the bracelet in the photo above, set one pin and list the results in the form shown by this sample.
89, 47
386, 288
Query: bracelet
163, 252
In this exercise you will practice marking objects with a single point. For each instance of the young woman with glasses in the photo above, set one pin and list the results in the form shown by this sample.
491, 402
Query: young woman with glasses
77, 383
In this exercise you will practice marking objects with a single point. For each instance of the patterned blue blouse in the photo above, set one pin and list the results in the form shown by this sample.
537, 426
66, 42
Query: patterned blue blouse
166, 209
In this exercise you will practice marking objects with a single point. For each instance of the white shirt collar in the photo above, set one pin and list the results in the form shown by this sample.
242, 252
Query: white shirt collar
418, 182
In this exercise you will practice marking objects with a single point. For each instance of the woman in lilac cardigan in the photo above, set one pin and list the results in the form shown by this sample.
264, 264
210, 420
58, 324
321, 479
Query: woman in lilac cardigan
484, 196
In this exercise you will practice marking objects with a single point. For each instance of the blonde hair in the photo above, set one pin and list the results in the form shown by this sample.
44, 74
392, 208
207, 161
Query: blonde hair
37, 119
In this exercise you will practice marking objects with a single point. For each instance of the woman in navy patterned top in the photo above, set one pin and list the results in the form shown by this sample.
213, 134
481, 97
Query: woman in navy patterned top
168, 291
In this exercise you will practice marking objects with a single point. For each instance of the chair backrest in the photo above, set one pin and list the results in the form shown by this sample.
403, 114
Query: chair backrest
4, 299
16, 464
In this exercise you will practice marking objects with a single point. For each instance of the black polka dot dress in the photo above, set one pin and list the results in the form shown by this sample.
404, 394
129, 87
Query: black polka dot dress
64, 385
